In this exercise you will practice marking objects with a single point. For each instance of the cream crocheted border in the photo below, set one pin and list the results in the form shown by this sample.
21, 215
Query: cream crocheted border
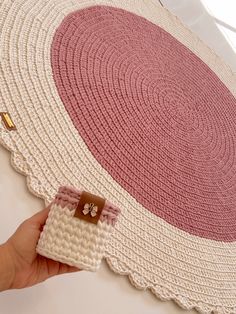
87, 242
167, 238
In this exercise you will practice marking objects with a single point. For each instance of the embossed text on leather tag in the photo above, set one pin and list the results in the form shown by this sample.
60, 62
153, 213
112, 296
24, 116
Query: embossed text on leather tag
90, 207
6, 118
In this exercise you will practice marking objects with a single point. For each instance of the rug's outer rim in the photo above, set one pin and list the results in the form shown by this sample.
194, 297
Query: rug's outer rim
159, 291
19, 163
166, 295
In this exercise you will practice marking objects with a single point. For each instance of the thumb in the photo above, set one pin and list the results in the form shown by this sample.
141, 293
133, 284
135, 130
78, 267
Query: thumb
40, 217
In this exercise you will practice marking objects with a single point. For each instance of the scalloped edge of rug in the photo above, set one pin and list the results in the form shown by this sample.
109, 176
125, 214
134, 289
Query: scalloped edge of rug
19, 163
116, 266
164, 294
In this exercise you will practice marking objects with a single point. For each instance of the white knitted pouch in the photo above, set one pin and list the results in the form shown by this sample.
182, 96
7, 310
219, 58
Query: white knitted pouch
77, 228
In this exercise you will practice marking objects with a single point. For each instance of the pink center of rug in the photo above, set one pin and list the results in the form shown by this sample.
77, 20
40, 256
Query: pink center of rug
153, 115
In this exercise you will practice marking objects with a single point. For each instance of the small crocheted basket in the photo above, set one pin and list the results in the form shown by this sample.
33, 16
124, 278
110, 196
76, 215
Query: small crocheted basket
77, 228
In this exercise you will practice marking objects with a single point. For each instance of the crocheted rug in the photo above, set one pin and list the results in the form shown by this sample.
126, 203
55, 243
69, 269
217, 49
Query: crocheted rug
120, 99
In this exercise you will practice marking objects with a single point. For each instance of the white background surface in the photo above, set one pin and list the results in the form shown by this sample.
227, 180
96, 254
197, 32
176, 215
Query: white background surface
103, 292
201, 16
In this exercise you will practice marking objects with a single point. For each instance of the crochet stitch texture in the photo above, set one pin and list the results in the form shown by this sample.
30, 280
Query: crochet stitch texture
120, 99
73, 241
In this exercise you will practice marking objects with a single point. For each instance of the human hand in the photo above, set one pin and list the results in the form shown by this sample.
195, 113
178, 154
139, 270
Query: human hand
20, 265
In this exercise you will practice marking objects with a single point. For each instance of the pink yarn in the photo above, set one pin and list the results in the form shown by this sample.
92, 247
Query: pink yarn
153, 115
69, 197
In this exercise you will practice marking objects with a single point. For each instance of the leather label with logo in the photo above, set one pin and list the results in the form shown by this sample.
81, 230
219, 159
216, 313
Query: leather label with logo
90, 207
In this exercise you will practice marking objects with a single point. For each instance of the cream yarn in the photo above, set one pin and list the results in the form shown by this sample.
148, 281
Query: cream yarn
193, 271
68, 239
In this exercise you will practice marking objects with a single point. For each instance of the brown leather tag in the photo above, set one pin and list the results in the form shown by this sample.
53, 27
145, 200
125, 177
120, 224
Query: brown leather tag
6, 118
90, 207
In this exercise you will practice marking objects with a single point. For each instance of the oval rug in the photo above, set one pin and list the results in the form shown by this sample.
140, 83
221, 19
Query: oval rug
120, 99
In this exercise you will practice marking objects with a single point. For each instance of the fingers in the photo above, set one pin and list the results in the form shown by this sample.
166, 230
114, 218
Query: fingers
57, 268
72, 269
63, 268
40, 217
